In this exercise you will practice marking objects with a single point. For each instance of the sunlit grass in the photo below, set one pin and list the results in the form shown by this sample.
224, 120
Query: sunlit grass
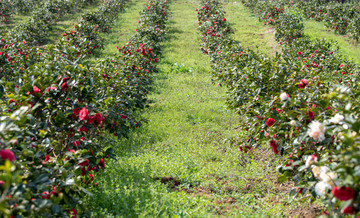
187, 139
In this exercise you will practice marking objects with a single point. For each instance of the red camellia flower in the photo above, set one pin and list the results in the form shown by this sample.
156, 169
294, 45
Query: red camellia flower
348, 210
270, 122
91, 120
273, 146
7, 154
83, 129
84, 163
303, 83
45, 195
83, 114
102, 163
311, 115
341, 65
65, 79
156, 60
224, 19
99, 118
316, 51
64, 86
36, 90
46, 159
73, 213
343, 193
76, 143
123, 116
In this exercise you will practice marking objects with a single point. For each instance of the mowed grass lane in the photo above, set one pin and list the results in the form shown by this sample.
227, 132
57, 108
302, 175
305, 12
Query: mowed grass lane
180, 163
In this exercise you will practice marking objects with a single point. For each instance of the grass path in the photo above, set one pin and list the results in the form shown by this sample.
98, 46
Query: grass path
248, 30
180, 162
124, 27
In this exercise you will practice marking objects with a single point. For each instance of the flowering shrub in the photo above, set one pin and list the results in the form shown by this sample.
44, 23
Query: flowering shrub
284, 100
38, 26
58, 108
342, 18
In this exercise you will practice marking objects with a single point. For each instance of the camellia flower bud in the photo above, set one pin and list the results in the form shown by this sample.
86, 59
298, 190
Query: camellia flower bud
284, 96
293, 123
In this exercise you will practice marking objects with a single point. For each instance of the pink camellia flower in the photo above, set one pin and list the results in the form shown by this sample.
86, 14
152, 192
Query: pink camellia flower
299, 53
36, 90
24, 42
341, 65
6, 46
2, 183
343, 193
224, 19
156, 60
273, 146
7, 154
348, 210
99, 118
46, 159
303, 83
316, 51
83, 114
270, 122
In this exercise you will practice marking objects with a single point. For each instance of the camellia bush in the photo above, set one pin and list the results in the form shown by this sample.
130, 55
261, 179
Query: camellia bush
58, 108
285, 103
340, 17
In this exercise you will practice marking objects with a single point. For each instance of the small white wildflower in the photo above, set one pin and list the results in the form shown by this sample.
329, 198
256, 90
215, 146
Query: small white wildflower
317, 130
320, 188
284, 96
337, 119
293, 123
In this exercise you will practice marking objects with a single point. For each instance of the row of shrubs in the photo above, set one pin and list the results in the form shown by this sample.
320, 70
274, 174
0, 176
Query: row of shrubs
38, 26
302, 103
341, 18
59, 108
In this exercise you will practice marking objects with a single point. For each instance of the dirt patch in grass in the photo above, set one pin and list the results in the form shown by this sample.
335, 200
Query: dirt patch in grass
306, 212
170, 181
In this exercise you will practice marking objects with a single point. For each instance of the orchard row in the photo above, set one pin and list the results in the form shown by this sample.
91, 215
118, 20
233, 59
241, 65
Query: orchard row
302, 103
59, 108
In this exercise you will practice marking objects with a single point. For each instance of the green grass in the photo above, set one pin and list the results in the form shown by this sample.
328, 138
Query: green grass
124, 27
186, 139
13, 21
349, 47
248, 30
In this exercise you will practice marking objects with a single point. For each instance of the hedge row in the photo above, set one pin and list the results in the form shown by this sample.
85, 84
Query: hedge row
341, 18
302, 103
39, 24
58, 109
